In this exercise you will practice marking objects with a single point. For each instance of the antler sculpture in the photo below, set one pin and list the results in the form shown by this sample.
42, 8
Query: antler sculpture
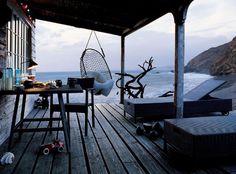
129, 88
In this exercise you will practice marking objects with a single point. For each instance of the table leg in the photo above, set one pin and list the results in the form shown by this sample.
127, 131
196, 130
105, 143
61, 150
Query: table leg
64, 121
13, 120
93, 116
51, 113
86, 113
68, 113
165, 145
22, 114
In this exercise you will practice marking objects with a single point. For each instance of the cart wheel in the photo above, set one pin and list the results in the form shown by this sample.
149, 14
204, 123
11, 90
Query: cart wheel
46, 151
157, 127
139, 130
153, 135
60, 149
226, 113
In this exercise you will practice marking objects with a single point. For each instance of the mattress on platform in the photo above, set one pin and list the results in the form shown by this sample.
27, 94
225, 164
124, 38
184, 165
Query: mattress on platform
164, 107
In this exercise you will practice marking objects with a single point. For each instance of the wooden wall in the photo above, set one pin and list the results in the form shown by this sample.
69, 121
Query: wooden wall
2, 47
7, 102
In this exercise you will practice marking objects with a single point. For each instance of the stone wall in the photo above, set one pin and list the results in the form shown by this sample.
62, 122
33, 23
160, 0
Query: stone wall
7, 102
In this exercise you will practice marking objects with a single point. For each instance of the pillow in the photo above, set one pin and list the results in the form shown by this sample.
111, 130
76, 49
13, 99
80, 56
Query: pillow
99, 77
101, 85
103, 88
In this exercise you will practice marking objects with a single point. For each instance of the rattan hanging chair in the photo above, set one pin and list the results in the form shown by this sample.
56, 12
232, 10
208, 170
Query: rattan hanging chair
93, 64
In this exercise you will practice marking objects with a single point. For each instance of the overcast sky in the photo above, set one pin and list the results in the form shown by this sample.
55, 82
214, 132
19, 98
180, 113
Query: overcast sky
209, 23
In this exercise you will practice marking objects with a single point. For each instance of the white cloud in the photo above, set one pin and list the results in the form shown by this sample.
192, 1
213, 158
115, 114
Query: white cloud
212, 18
209, 24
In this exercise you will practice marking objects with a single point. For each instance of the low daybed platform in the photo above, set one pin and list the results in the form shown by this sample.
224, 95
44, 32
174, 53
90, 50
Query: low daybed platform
162, 108
202, 137
196, 101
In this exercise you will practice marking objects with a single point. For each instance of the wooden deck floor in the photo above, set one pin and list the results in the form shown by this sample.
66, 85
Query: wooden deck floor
111, 147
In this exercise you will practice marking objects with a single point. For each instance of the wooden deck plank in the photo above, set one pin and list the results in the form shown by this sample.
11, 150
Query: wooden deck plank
159, 143
123, 152
60, 163
18, 147
29, 157
229, 168
32, 114
163, 156
154, 147
77, 157
154, 150
60, 160
130, 119
111, 158
44, 162
140, 153
96, 162
120, 109
111, 147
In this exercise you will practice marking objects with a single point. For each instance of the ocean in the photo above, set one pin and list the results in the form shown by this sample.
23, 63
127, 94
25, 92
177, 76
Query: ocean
157, 83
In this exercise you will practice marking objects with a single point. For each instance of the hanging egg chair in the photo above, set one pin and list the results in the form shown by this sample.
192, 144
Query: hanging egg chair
93, 64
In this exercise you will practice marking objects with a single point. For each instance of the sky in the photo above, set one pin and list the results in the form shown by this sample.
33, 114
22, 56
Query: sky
209, 24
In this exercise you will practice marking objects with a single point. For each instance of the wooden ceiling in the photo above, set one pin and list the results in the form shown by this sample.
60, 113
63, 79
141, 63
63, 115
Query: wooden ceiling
119, 17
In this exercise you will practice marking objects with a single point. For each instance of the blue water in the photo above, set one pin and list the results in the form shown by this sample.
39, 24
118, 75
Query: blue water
157, 83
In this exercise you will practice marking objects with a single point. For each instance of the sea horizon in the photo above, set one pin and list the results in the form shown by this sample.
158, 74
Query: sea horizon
161, 68
157, 82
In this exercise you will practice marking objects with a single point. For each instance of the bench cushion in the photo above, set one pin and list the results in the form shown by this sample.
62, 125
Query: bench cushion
202, 137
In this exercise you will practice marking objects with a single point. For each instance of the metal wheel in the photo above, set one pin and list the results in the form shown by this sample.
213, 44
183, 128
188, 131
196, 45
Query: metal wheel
46, 151
225, 113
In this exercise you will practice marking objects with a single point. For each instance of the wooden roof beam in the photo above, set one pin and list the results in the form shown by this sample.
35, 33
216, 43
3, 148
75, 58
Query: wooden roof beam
81, 23
100, 19
90, 11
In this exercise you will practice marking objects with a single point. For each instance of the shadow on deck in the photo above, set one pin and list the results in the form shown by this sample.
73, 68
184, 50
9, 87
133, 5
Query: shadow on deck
111, 147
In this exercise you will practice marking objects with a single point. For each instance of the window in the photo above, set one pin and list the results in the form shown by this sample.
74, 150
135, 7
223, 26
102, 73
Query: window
19, 48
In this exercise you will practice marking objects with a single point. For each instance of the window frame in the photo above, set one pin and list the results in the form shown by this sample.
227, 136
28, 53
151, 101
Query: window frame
19, 39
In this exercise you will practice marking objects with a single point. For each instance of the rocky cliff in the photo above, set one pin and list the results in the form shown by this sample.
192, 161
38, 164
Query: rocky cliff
215, 61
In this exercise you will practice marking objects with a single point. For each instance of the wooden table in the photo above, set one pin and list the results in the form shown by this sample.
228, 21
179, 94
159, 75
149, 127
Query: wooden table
19, 126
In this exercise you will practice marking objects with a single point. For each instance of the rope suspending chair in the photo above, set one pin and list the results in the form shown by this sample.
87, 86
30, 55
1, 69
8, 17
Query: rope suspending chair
93, 64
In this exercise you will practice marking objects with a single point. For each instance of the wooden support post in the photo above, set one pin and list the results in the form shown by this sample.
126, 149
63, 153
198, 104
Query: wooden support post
179, 16
122, 70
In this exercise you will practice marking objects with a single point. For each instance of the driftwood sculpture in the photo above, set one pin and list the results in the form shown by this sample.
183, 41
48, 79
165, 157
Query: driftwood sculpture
134, 88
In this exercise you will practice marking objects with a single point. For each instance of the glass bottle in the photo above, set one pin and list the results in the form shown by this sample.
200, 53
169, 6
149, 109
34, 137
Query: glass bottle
1, 80
8, 78
8, 74
17, 77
